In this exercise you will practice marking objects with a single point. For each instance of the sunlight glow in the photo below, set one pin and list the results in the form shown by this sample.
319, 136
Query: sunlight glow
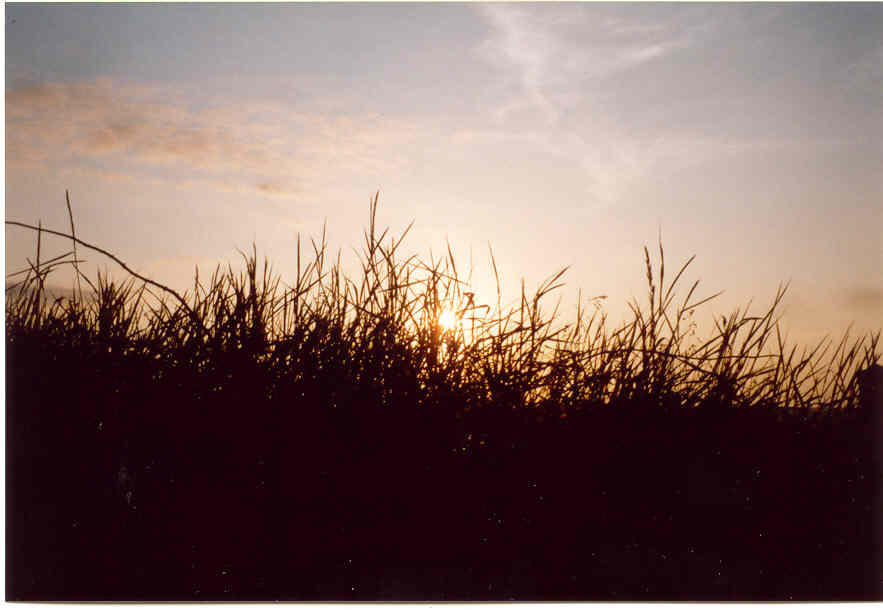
447, 320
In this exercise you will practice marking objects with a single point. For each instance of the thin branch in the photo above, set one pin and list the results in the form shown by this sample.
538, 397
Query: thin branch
125, 267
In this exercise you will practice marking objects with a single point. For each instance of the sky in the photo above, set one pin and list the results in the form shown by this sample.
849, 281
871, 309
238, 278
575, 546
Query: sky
749, 135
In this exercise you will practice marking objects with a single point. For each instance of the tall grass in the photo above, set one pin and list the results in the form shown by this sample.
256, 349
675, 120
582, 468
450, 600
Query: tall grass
380, 335
253, 438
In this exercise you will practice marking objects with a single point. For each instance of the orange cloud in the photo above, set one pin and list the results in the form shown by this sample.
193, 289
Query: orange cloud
259, 147
865, 299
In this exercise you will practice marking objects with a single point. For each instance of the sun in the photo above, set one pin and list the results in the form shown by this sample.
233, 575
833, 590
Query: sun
447, 320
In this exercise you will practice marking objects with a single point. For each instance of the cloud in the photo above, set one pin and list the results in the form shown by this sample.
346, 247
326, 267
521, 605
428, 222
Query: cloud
554, 61
865, 299
549, 56
567, 82
267, 187
155, 133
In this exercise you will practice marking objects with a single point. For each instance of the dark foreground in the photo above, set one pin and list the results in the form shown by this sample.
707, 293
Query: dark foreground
122, 487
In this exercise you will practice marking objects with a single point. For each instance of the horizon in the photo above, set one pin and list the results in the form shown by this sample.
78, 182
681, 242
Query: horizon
561, 135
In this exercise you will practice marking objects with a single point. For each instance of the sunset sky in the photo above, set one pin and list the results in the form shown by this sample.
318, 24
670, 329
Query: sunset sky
561, 134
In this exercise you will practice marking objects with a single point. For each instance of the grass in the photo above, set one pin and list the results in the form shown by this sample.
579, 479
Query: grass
384, 326
260, 429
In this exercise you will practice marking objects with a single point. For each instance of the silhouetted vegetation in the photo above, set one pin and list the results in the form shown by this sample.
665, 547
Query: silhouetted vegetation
332, 440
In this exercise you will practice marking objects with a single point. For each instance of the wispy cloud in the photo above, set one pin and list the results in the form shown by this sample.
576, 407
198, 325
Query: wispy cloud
548, 56
568, 83
555, 61
251, 146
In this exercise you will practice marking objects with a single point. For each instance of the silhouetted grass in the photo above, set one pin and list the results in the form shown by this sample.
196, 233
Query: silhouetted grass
331, 439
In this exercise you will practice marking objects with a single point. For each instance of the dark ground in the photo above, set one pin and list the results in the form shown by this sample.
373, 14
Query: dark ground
122, 487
